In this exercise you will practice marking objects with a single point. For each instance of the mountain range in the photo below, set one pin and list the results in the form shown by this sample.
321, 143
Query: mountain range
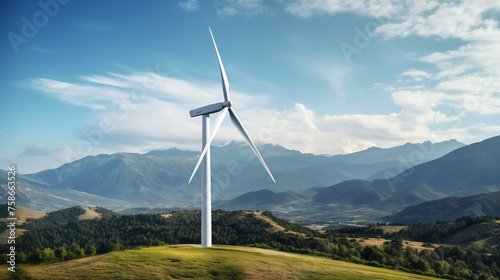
159, 178
355, 187
466, 171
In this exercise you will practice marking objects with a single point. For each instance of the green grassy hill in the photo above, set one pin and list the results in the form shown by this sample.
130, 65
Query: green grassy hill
194, 262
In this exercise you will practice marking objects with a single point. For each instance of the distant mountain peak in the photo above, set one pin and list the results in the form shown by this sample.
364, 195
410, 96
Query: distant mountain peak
172, 152
231, 143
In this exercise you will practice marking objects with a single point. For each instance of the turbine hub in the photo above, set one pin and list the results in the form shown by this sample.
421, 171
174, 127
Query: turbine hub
227, 103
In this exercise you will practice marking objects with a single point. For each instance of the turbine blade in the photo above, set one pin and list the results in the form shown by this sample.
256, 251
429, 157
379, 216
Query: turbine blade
236, 121
225, 84
218, 122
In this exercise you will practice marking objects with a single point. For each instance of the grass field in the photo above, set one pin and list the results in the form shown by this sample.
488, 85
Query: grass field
392, 229
90, 213
194, 262
380, 242
22, 214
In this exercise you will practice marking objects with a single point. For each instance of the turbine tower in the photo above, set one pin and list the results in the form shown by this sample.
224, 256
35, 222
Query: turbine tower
205, 111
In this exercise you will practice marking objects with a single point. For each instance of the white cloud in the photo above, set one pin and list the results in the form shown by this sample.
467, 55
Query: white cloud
189, 5
149, 111
467, 78
448, 20
386, 9
415, 73
37, 155
299, 128
302, 129
472, 65
481, 56
81, 95
144, 110
418, 106
105, 81
37, 150
320, 7
248, 8
466, 20
473, 94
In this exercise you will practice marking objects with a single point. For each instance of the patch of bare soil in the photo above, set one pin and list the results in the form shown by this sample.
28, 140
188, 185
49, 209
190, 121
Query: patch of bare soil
90, 213
276, 227
380, 242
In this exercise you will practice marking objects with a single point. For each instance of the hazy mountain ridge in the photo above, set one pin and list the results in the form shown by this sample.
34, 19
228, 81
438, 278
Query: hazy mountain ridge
31, 194
420, 152
125, 176
264, 198
450, 208
159, 178
470, 170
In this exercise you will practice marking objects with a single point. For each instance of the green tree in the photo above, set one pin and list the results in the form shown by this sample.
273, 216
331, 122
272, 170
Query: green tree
90, 250
21, 257
61, 253
441, 267
36, 256
48, 255
118, 247
373, 253
76, 250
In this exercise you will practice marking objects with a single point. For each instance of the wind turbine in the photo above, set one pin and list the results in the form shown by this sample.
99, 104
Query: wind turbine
205, 111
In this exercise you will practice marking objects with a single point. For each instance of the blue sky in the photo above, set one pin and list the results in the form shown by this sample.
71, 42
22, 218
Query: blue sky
81, 78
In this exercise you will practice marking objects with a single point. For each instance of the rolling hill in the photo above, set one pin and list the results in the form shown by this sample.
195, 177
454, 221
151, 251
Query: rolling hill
218, 262
22, 213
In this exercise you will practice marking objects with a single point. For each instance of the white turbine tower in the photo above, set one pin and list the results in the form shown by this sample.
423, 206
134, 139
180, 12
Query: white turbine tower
205, 111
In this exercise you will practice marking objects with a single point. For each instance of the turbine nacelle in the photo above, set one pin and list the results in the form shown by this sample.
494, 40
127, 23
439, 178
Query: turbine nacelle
209, 109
